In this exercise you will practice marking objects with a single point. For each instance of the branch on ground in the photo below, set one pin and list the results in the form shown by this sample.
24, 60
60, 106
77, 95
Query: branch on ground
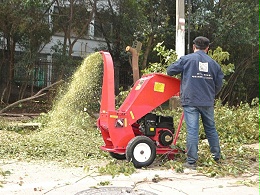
37, 95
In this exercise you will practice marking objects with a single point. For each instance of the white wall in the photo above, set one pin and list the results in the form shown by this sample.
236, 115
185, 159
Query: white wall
81, 48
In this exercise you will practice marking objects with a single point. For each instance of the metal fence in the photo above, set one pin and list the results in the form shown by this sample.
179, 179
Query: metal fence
45, 72
38, 74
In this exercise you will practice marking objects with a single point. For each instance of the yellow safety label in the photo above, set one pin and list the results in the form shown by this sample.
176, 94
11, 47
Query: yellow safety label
151, 129
113, 116
125, 122
132, 115
159, 87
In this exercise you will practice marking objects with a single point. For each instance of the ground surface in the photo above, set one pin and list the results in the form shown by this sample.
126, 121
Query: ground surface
33, 178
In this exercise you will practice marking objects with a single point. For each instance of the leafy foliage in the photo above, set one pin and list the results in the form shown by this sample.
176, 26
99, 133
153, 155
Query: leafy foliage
220, 57
115, 167
23, 23
166, 56
234, 120
232, 25
63, 63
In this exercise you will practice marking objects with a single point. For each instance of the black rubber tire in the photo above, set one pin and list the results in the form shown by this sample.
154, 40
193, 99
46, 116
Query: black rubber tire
141, 151
117, 156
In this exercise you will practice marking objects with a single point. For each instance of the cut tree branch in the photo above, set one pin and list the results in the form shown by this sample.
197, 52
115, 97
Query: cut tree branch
37, 95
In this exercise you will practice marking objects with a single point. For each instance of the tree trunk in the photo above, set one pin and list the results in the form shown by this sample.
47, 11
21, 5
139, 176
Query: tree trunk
10, 72
227, 93
37, 95
23, 89
147, 51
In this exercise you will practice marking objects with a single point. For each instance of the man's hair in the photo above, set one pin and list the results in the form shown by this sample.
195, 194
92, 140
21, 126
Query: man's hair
201, 42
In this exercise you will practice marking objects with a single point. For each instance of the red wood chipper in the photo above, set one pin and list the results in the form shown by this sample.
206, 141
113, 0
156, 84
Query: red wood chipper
132, 132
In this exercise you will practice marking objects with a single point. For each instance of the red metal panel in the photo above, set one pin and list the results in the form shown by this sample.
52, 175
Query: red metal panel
117, 135
148, 93
108, 88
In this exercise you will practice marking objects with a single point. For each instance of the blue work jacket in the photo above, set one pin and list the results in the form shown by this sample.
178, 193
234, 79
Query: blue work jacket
201, 78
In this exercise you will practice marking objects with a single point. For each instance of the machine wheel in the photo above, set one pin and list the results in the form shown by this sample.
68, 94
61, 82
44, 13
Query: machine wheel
141, 151
117, 156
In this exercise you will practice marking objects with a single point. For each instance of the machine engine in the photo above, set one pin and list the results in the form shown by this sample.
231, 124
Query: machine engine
159, 128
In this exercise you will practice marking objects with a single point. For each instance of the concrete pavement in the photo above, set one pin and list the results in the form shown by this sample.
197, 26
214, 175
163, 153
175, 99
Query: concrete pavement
29, 178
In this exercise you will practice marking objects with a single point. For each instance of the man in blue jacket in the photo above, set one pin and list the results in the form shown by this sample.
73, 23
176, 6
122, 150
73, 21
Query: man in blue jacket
201, 80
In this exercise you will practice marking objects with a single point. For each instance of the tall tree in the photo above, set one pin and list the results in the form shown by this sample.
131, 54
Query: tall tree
72, 19
19, 21
35, 34
239, 36
155, 24
143, 20
232, 25
11, 17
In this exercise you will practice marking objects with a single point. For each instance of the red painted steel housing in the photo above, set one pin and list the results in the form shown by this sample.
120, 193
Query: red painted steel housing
118, 127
